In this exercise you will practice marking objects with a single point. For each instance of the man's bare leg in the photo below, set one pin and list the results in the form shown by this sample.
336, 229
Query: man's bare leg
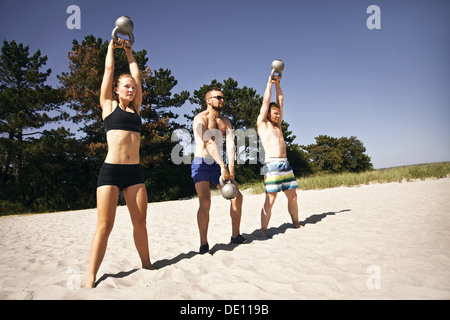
266, 212
204, 198
236, 213
293, 206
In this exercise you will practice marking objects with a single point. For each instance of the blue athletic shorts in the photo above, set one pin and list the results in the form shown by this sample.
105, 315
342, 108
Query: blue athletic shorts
203, 170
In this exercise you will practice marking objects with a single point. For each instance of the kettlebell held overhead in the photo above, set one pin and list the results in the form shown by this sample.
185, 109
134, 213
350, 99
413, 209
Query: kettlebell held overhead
229, 190
124, 26
277, 67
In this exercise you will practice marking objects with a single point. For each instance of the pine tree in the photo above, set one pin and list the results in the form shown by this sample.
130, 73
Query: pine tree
26, 105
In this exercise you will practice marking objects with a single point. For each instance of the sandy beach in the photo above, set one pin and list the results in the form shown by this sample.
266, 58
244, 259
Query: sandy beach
378, 241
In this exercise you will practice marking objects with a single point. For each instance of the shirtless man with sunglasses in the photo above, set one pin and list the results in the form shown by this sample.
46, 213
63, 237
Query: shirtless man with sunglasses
209, 128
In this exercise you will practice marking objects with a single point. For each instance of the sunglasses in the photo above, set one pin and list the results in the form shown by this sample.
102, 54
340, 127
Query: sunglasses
220, 98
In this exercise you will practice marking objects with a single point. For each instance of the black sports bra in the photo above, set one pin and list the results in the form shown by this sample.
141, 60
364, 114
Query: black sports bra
123, 120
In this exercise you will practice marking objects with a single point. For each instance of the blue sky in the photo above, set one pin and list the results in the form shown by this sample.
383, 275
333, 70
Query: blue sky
389, 86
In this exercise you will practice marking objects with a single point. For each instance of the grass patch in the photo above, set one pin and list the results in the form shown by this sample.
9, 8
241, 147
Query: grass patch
397, 174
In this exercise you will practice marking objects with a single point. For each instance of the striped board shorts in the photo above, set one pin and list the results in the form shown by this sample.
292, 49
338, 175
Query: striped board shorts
278, 175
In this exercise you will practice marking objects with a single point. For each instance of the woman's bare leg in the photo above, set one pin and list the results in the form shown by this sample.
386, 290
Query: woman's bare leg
136, 199
107, 197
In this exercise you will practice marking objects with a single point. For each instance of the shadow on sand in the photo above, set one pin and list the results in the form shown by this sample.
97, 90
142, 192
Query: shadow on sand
118, 275
254, 236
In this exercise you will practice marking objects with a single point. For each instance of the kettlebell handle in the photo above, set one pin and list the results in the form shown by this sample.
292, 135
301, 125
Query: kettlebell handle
272, 75
222, 183
116, 38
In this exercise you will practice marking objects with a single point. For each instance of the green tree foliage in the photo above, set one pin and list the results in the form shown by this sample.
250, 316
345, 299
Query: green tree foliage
241, 104
164, 179
59, 174
333, 155
26, 105
158, 101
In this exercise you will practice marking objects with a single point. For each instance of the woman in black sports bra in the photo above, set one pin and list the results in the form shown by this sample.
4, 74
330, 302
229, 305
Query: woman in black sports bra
121, 170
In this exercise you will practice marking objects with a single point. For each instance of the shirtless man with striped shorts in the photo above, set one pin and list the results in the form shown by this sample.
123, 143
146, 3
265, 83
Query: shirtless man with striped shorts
278, 175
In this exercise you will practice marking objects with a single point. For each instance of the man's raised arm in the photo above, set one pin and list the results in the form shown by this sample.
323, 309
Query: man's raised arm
279, 94
266, 102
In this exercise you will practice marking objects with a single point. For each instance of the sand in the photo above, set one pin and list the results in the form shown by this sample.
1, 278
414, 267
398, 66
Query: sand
379, 241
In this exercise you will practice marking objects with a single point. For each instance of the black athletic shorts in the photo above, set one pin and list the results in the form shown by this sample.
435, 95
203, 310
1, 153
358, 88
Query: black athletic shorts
120, 175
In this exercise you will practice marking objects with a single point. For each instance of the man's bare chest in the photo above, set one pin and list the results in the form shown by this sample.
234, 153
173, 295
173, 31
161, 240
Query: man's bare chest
216, 124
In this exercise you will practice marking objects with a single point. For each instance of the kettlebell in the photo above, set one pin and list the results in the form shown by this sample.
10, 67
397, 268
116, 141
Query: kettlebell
229, 190
124, 26
277, 67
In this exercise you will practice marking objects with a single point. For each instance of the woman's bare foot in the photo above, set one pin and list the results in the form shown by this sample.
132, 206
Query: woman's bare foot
90, 283
148, 266
264, 233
